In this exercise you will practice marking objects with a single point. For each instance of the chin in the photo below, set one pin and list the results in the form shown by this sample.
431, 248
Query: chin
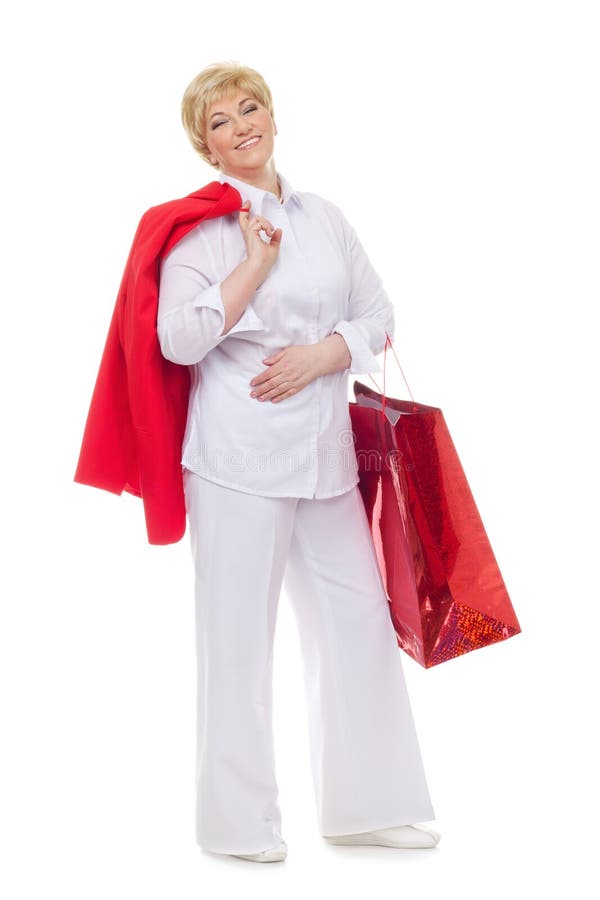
253, 159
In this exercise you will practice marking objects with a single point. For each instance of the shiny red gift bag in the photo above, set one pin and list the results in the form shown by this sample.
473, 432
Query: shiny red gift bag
444, 587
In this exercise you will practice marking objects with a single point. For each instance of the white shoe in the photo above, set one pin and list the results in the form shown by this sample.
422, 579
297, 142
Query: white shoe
408, 836
273, 854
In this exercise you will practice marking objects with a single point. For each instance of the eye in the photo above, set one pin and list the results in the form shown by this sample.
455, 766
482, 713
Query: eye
247, 109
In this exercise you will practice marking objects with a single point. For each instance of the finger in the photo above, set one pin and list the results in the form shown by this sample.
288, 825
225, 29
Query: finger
259, 225
258, 387
283, 396
262, 392
255, 226
260, 220
265, 389
245, 210
281, 388
263, 225
274, 358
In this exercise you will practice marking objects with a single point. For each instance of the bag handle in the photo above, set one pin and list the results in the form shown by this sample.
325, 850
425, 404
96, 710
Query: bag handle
388, 342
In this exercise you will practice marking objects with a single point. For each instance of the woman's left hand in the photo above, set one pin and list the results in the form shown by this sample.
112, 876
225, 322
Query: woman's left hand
289, 371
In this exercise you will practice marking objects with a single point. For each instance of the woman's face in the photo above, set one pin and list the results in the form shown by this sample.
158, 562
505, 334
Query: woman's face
234, 120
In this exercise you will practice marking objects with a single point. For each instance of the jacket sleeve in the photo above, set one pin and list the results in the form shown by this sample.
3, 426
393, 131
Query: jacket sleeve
191, 314
370, 311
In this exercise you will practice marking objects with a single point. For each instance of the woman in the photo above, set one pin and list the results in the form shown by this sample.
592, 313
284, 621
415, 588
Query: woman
272, 308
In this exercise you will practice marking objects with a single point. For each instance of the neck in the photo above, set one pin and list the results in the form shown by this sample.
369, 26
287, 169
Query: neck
264, 178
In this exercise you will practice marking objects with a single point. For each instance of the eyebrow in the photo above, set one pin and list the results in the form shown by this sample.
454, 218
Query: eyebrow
239, 104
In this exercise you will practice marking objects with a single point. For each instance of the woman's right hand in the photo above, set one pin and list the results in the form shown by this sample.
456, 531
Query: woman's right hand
261, 253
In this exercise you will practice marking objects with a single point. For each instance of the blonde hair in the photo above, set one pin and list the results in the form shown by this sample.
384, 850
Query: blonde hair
213, 83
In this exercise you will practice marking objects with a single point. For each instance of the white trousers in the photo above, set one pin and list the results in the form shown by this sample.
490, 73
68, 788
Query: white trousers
365, 758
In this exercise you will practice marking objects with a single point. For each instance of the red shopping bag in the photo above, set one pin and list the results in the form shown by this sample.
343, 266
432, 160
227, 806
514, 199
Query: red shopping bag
444, 587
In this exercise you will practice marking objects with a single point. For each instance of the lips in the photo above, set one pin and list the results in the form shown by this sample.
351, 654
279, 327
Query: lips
253, 144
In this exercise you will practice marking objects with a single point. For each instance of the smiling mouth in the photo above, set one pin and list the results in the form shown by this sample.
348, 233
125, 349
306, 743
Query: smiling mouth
251, 142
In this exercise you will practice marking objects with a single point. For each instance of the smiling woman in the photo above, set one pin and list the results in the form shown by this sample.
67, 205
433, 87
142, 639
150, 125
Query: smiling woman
217, 103
277, 301
224, 133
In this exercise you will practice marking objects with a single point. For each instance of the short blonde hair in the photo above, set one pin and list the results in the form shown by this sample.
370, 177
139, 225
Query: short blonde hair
213, 83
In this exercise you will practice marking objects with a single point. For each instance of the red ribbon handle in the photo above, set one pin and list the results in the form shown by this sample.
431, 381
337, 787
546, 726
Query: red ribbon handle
388, 343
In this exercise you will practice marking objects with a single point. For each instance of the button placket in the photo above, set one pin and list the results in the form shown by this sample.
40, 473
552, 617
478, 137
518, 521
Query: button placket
317, 384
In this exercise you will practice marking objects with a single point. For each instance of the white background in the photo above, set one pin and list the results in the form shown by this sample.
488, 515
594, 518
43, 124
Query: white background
461, 139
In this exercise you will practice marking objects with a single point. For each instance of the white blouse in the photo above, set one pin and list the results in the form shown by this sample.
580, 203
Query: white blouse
321, 283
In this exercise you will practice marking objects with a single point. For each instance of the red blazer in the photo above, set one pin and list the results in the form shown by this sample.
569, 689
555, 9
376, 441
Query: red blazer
135, 426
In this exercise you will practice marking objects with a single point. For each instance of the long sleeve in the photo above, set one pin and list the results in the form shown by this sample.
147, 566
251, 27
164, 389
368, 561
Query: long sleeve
370, 312
191, 314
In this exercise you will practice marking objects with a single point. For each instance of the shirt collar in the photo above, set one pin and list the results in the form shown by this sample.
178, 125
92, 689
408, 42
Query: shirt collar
256, 195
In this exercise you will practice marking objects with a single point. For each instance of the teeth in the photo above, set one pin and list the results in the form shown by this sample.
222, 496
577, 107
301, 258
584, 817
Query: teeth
248, 143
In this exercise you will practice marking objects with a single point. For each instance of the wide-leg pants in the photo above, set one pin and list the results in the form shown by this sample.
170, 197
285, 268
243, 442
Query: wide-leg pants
366, 764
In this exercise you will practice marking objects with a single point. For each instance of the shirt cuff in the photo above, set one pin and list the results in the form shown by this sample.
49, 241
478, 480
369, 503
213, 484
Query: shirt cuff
212, 298
363, 359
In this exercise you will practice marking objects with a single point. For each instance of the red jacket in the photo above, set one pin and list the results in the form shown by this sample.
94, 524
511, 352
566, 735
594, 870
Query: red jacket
136, 422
